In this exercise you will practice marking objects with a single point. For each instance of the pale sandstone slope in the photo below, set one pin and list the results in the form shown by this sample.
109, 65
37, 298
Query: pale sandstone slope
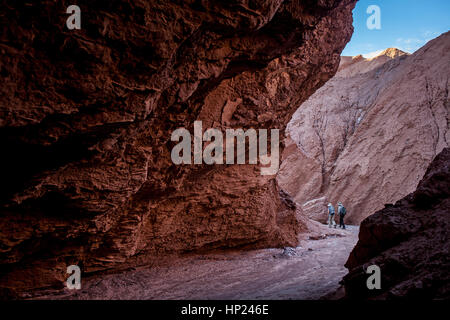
351, 66
367, 137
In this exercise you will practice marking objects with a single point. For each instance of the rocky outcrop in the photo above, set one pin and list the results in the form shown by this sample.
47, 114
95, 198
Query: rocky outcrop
368, 135
87, 115
409, 241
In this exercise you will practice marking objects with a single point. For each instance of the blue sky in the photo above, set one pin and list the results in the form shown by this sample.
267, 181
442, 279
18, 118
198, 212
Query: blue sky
405, 24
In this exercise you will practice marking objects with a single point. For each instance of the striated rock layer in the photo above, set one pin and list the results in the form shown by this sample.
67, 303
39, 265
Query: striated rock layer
368, 135
409, 241
86, 118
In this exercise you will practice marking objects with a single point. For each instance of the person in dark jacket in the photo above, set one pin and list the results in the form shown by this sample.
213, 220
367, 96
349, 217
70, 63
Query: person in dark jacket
342, 212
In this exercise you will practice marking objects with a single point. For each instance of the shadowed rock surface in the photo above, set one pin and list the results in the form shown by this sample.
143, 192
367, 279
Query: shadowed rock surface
368, 135
409, 241
86, 118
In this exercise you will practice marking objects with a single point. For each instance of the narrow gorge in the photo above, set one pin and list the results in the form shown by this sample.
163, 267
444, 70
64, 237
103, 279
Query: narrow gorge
87, 116
87, 178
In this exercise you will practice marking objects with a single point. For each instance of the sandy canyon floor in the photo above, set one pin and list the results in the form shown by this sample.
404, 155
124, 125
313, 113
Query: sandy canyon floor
309, 271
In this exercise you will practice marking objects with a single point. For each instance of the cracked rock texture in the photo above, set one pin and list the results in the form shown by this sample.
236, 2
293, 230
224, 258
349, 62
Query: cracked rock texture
368, 135
409, 241
86, 117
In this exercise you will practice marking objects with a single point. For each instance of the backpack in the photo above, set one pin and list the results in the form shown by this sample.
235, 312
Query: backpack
343, 211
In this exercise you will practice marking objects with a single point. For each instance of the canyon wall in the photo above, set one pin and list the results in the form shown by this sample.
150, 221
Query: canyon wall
86, 118
409, 241
368, 135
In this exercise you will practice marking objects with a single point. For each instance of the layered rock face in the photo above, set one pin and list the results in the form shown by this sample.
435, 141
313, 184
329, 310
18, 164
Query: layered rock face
87, 115
368, 135
409, 241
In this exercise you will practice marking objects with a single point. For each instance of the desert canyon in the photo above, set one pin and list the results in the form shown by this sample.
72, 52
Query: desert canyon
369, 134
87, 178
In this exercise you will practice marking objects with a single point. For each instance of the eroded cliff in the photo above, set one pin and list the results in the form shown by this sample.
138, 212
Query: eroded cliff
86, 119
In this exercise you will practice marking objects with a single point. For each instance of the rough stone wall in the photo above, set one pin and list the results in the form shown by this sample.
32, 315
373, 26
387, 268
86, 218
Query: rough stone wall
86, 118
409, 241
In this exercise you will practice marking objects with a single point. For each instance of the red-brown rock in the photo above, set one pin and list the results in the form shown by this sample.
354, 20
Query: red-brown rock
409, 241
86, 118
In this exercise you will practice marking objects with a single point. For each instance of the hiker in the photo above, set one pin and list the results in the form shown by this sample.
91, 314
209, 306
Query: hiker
331, 216
341, 211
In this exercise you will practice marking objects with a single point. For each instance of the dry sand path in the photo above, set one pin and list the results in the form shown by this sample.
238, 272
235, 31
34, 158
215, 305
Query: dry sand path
309, 271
